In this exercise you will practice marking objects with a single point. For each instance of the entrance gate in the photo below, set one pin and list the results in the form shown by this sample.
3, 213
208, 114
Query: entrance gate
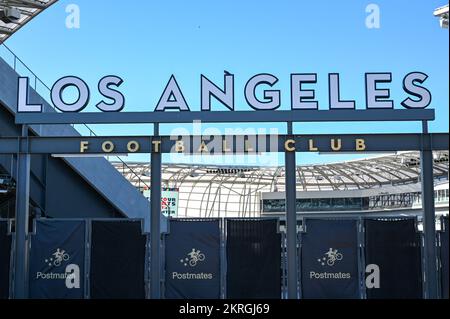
290, 144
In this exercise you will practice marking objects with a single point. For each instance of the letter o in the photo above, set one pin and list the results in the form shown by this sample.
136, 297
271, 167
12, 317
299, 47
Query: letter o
107, 146
59, 87
133, 146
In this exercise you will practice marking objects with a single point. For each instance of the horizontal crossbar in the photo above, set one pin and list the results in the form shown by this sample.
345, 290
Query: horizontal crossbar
228, 116
225, 144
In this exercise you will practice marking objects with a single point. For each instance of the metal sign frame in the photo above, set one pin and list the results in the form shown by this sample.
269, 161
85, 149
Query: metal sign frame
360, 115
23, 146
235, 144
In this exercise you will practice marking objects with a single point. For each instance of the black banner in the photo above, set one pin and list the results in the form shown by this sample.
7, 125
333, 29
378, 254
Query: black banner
5, 254
117, 260
192, 251
253, 259
444, 258
57, 260
329, 260
394, 246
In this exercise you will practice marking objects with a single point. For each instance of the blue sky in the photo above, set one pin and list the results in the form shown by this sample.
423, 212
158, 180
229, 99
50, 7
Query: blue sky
144, 42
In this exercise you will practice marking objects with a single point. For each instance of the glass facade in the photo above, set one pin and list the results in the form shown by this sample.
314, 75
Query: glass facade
404, 200
317, 204
441, 195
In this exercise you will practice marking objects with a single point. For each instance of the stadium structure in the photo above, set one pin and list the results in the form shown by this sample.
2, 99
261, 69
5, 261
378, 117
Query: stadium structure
442, 14
14, 14
96, 191
379, 184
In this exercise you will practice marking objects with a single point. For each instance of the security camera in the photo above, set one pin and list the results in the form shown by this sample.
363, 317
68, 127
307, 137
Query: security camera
10, 15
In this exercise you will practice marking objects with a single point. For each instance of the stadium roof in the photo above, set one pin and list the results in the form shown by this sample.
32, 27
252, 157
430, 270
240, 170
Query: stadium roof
27, 9
210, 191
401, 168
442, 13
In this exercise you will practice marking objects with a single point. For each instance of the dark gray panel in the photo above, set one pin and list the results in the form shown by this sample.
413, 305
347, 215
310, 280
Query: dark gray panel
69, 196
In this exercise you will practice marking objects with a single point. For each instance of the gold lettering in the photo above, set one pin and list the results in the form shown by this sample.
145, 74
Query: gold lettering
107, 146
84, 146
156, 146
336, 146
203, 147
288, 147
248, 147
179, 146
360, 144
312, 148
133, 146
225, 146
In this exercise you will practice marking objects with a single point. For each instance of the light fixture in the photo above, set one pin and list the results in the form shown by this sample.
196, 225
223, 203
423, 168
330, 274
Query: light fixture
10, 15
442, 14
193, 174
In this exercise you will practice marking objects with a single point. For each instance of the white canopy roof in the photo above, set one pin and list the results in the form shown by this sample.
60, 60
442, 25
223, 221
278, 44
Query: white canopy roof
208, 190
28, 10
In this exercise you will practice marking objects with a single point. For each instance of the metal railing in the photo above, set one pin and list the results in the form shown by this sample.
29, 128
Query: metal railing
16, 62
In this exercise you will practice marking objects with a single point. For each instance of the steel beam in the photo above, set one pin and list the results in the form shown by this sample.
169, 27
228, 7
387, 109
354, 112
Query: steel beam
21, 223
227, 116
155, 223
429, 218
291, 222
59, 145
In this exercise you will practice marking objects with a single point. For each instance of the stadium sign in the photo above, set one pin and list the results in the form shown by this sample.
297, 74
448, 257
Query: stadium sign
417, 96
261, 94
169, 202
223, 145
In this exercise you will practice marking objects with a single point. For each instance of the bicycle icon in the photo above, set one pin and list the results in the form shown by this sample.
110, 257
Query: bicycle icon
194, 257
331, 256
60, 255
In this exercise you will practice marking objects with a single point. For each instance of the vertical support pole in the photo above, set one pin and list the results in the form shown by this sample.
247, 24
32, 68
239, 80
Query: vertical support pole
155, 219
21, 222
429, 226
87, 258
361, 258
223, 259
291, 221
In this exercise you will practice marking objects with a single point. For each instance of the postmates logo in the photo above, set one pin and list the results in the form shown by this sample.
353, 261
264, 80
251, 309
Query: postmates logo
57, 258
71, 274
193, 258
330, 258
